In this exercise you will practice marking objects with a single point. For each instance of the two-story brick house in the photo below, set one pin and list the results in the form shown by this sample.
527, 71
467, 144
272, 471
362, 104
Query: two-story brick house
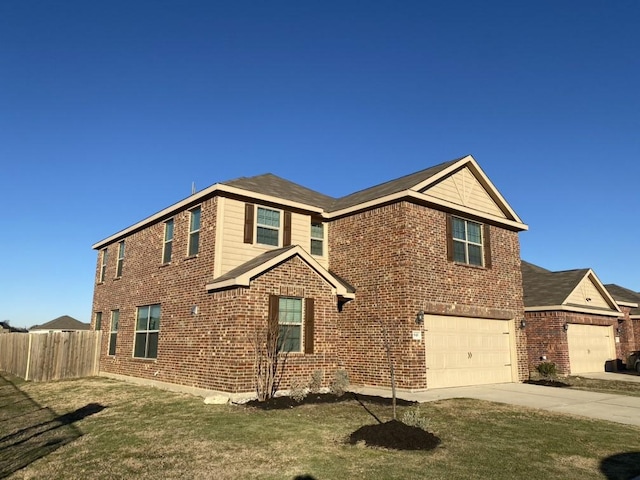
429, 261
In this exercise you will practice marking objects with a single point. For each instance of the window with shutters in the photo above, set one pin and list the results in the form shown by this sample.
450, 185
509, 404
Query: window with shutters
267, 226
295, 319
468, 242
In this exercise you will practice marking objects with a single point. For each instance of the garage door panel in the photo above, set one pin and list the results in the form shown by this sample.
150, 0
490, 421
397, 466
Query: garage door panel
590, 347
467, 351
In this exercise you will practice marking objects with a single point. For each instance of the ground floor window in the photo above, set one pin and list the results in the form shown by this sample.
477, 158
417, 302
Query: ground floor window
147, 331
113, 334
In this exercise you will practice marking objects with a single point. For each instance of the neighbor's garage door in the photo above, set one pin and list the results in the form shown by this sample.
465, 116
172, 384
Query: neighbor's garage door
467, 351
590, 346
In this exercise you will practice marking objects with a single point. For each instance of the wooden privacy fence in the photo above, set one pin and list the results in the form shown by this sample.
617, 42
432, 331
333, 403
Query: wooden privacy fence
50, 356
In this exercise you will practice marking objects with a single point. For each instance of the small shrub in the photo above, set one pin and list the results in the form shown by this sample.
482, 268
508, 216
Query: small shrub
413, 418
340, 382
298, 390
316, 381
547, 369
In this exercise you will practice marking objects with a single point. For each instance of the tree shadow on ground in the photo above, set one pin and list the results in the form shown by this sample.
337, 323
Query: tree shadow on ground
621, 466
32, 431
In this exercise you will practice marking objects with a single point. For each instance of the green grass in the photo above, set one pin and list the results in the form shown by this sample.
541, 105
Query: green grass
149, 433
604, 386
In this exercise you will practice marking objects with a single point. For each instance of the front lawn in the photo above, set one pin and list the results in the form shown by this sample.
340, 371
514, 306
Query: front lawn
102, 428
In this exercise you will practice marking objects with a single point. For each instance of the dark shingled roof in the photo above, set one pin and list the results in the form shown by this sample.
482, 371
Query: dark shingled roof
64, 322
269, 184
253, 263
5, 326
390, 187
621, 294
545, 288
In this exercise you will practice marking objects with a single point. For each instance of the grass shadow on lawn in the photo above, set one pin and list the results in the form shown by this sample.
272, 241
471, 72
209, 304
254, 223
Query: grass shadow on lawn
33, 431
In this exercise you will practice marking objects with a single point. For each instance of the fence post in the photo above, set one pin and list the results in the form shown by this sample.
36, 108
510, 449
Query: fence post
26, 373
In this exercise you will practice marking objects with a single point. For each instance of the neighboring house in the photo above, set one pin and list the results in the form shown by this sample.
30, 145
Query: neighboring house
571, 320
629, 303
430, 261
5, 327
64, 323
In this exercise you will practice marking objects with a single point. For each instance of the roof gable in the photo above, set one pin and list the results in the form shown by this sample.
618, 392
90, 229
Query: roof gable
578, 290
243, 274
626, 297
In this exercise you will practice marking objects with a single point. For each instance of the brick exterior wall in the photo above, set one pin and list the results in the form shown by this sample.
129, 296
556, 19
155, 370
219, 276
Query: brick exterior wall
396, 258
212, 349
547, 337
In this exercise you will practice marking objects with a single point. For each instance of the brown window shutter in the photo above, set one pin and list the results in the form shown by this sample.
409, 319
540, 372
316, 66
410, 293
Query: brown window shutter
309, 317
449, 238
248, 222
272, 321
286, 237
486, 238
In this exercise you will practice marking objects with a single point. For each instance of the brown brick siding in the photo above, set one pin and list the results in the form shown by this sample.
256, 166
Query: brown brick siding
547, 337
213, 349
396, 258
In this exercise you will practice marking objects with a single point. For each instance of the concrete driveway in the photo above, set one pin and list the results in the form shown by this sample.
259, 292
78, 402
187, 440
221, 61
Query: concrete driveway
603, 406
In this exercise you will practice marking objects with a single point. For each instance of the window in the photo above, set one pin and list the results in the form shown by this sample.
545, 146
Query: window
113, 335
120, 259
268, 226
98, 322
168, 241
147, 331
317, 238
289, 324
194, 232
467, 241
103, 265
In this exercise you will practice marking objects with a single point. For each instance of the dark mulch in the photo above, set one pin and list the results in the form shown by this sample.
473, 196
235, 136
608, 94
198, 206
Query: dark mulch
284, 402
396, 435
548, 383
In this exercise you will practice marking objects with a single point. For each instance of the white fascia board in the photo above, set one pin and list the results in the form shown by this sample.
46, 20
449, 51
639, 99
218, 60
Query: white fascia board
627, 304
568, 308
195, 198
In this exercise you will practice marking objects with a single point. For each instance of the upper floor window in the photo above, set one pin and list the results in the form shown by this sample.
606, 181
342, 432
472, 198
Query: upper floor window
317, 238
120, 259
113, 334
194, 231
167, 246
147, 331
98, 322
467, 242
103, 265
268, 226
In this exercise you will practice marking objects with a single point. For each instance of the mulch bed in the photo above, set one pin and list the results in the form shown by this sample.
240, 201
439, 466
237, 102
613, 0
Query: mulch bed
396, 435
548, 383
392, 434
284, 402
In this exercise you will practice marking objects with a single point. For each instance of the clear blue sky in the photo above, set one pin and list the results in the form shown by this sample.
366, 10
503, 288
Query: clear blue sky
110, 110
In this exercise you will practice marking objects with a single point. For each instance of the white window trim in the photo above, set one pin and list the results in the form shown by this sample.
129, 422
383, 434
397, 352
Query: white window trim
280, 229
321, 239
165, 241
120, 260
301, 324
466, 242
136, 331
112, 332
103, 265
192, 232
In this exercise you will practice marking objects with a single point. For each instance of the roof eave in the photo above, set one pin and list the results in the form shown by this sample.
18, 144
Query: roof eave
571, 308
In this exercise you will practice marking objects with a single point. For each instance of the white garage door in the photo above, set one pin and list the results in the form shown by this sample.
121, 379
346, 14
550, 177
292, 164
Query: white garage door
590, 346
467, 351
